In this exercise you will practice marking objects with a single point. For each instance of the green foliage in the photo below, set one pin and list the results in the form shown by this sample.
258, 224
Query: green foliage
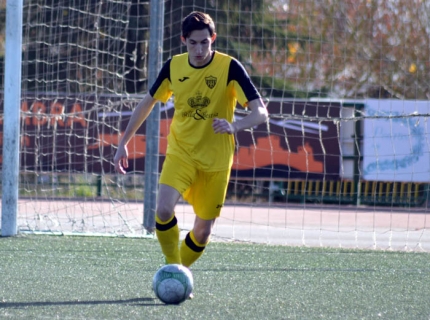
89, 46
78, 46
2, 40
245, 30
84, 192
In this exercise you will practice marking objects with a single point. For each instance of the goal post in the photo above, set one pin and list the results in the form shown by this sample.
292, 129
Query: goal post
11, 132
153, 121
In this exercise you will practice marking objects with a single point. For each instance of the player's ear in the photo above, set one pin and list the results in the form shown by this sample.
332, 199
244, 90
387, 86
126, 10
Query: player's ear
213, 37
183, 40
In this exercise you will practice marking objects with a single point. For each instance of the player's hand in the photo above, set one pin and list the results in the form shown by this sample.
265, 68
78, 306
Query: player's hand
121, 159
223, 126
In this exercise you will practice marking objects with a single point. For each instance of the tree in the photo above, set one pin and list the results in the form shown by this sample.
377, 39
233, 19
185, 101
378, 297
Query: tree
80, 45
2, 39
337, 48
364, 48
245, 30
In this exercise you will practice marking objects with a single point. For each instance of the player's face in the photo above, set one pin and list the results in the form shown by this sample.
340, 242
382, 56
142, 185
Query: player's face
199, 46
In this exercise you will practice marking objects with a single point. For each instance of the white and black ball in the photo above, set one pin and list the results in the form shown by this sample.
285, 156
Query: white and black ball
173, 283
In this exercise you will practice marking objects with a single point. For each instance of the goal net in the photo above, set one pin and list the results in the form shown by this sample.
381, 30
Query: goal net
344, 160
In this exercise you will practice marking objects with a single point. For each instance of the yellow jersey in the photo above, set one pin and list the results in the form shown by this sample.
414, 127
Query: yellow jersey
200, 95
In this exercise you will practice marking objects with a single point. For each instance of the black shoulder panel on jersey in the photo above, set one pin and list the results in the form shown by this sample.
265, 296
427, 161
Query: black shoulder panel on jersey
237, 72
163, 74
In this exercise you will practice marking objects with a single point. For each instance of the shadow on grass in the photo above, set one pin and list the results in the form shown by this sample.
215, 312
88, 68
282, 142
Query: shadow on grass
134, 302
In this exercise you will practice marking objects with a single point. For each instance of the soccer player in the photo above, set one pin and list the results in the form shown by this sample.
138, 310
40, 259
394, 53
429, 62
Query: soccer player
206, 86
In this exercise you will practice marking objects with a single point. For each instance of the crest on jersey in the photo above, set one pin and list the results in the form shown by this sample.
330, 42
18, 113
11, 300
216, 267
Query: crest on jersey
198, 101
210, 81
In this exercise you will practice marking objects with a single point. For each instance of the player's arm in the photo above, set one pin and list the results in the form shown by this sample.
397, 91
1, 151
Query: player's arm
138, 116
250, 98
159, 91
257, 116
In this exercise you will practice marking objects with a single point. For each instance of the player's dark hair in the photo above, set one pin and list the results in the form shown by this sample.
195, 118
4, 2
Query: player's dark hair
197, 21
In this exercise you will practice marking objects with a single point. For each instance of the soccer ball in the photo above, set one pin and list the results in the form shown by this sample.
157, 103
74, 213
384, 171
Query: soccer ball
173, 283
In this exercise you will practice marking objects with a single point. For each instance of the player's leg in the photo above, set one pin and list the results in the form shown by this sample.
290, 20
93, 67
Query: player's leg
166, 225
207, 195
194, 244
176, 177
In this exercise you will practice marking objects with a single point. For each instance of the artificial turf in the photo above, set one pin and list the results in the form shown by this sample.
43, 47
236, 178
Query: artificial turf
72, 277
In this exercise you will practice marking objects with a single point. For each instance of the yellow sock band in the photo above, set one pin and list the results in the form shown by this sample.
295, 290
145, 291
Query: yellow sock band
193, 238
191, 250
157, 220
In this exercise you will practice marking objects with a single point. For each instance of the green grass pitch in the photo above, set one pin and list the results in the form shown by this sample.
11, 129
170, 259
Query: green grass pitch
61, 277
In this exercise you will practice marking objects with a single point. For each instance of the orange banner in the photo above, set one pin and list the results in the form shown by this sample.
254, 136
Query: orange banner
70, 134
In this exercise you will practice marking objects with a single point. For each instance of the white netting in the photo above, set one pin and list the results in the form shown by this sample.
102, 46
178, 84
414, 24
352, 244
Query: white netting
344, 160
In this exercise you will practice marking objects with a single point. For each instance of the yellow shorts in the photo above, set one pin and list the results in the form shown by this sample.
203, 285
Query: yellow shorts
205, 191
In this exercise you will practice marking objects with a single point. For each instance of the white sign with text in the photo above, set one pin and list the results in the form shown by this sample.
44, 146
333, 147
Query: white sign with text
396, 145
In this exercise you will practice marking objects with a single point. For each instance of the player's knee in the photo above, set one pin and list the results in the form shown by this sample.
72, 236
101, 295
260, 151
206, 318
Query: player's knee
164, 211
